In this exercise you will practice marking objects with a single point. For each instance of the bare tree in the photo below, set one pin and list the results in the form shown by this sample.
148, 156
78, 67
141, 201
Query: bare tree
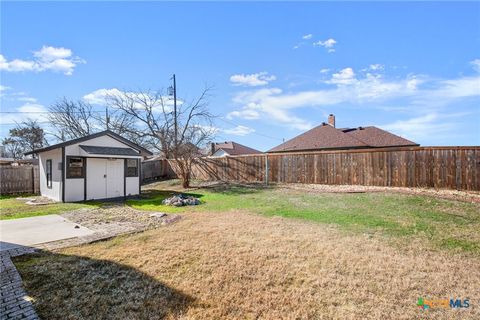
156, 121
71, 119
13, 148
26, 136
148, 112
145, 117
75, 119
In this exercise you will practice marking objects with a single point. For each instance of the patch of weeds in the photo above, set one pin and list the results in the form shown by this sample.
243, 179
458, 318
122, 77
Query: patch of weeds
116, 241
465, 245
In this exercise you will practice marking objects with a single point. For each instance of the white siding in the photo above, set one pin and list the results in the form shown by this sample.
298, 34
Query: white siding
55, 192
74, 190
132, 186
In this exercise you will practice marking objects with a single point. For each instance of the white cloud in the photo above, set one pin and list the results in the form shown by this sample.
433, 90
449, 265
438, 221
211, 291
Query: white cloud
100, 97
376, 67
476, 64
239, 131
307, 36
8, 94
324, 70
46, 59
344, 76
27, 99
252, 80
425, 126
346, 87
248, 114
32, 111
327, 44
264, 102
52, 53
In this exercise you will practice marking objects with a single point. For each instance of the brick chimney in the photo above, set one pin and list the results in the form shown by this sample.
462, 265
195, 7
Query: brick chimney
331, 120
212, 148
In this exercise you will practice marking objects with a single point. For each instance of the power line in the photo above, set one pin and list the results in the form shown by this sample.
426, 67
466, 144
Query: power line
14, 124
46, 122
46, 112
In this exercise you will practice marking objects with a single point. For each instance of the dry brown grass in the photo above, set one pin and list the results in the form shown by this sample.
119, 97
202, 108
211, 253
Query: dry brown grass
237, 265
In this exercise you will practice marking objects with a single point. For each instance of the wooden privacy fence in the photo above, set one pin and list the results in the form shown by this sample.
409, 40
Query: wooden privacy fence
430, 167
156, 169
21, 179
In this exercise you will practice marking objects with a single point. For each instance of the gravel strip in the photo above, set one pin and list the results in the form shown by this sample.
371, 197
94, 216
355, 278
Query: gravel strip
465, 196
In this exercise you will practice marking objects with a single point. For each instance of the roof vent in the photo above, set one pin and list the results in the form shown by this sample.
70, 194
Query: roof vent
361, 128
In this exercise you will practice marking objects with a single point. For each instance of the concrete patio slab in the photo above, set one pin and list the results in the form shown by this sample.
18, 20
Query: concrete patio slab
37, 230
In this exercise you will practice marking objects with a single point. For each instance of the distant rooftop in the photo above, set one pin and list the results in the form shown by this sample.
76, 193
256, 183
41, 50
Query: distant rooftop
326, 136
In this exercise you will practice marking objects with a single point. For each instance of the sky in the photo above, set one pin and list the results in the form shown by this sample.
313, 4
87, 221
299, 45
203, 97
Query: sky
278, 69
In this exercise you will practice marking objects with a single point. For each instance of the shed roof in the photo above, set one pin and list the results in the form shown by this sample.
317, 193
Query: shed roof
109, 133
114, 151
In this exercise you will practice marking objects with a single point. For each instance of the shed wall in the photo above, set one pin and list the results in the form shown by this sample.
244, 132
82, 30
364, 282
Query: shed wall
55, 192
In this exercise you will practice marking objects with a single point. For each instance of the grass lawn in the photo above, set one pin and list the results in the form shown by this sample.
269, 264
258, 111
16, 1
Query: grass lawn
11, 208
401, 218
239, 265
256, 253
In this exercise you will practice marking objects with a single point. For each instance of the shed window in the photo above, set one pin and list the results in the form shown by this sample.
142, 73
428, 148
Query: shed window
132, 168
75, 167
48, 173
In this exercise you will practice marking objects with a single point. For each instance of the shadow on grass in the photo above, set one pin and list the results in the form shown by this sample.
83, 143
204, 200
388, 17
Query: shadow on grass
235, 188
73, 287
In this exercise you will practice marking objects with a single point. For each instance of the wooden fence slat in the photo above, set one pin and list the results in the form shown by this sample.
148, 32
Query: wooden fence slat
434, 167
21, 179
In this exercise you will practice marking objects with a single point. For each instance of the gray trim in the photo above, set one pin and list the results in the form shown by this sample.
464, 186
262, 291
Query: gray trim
85, 179
47, 162
63, 174
115, 151
124, 177
137, 173
84, 172
139, 177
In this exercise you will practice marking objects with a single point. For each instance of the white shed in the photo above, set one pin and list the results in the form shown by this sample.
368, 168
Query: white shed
103, 165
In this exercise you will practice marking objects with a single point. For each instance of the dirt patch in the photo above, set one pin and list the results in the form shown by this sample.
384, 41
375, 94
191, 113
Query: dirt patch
459, 195
465, 196
111, 220
36, 201
237, 265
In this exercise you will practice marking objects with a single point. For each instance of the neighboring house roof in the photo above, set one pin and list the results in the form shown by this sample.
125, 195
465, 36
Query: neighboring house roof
109, 133
114, 151
376, 137
326, 136
233, 149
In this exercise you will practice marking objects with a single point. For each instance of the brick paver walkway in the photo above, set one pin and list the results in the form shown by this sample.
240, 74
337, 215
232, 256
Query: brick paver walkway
14, 302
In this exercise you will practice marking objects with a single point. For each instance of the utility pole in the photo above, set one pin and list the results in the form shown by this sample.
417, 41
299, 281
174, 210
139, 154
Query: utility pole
107, 118
175, 108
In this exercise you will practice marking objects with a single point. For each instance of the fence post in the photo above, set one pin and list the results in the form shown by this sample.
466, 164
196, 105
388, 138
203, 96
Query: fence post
266, 169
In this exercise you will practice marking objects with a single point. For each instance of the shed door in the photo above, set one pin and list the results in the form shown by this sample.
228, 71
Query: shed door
104, 178
115, 171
